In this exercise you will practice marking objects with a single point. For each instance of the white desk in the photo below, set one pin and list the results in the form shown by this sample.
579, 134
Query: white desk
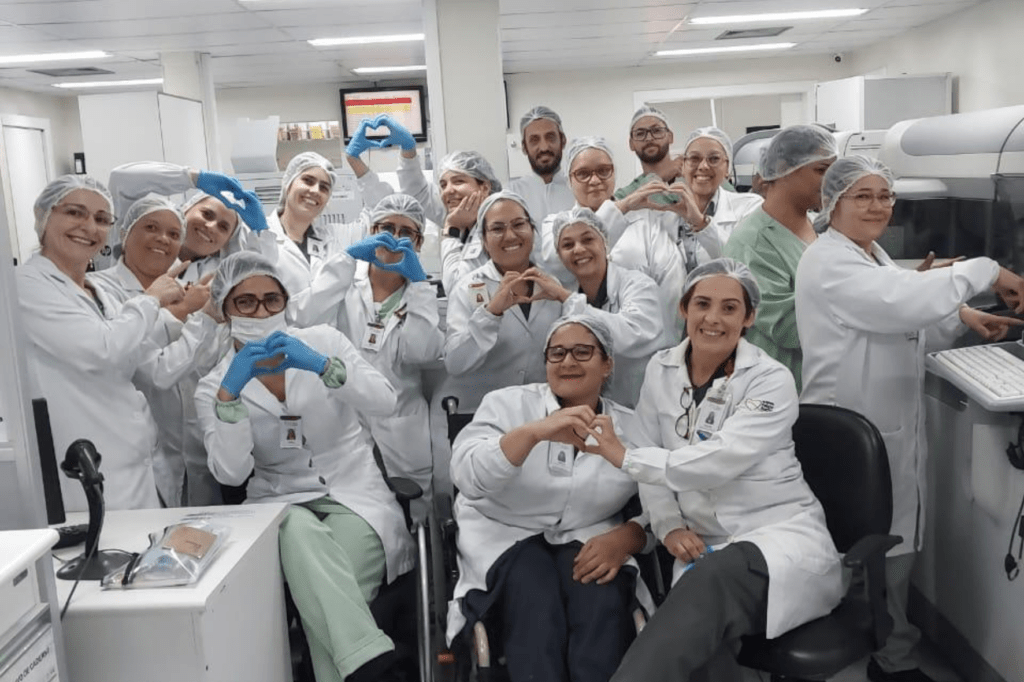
28, 652
228, 627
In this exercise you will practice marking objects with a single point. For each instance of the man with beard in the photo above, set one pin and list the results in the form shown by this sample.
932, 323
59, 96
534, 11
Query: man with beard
546, 189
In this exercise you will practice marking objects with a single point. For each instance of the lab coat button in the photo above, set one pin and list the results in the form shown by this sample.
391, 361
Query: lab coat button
323, 481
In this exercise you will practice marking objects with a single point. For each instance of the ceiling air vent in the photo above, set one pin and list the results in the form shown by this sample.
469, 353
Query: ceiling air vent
766, 32
72, 71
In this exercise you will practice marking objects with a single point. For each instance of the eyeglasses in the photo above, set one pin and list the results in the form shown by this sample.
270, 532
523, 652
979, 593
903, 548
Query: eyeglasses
655, 133
519, 226
683, 423
402, 232
248, 304
865, 199
580, 353
79, 212
584, 174
694, 160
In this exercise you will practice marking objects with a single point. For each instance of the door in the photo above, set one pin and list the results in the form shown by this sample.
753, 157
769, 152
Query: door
26, 170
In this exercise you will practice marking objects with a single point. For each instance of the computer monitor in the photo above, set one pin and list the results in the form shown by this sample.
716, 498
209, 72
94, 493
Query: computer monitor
48, 463
403, 103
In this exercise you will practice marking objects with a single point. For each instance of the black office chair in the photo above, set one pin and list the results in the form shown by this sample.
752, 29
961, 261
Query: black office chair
845, 463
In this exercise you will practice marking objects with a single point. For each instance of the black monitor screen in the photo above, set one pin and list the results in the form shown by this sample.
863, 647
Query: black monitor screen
48, 463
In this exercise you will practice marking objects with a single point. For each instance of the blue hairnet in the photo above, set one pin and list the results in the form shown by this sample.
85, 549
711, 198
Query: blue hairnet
143, 207
472, 164
536, 114
238, 267
840, 177
301, 162
582, 144
647, 110
504, 195
730, 268
59, 188
596, 326
398, 204
711, 133
578, 214
795, 147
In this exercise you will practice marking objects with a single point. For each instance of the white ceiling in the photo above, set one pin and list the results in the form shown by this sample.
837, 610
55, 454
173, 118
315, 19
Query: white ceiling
262, 42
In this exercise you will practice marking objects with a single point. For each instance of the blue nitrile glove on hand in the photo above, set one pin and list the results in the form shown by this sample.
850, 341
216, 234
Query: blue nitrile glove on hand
359, 142
398, 136
297, 355
243, 368
365, 249
231, 193
409, 267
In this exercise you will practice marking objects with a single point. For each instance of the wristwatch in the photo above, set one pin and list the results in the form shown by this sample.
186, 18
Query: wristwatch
455, 232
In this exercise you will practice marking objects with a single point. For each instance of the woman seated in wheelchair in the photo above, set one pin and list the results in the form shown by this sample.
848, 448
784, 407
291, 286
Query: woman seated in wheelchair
725, 492
281, 406
541, 535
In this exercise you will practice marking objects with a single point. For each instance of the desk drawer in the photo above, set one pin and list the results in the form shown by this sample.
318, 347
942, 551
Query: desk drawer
30, 655
19, 595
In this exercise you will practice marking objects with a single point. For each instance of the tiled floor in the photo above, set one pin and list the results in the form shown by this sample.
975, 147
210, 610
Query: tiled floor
931, 662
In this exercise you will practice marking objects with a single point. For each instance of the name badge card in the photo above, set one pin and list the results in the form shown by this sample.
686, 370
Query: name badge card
291, 432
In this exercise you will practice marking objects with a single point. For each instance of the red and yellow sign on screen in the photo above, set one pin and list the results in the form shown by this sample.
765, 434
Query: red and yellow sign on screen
379, 105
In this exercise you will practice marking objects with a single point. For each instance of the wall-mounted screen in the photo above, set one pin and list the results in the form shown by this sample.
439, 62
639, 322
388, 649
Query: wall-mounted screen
404, 104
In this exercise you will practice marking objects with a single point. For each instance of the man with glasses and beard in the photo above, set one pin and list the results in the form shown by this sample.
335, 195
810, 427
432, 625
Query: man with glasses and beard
546, 189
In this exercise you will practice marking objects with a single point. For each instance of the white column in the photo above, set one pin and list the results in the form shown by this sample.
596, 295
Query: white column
465, 83
187, 74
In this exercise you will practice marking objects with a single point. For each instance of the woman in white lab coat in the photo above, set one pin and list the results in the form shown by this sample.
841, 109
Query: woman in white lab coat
83, 346
295, 429
864, 324
393, 317
719, 473
541, 533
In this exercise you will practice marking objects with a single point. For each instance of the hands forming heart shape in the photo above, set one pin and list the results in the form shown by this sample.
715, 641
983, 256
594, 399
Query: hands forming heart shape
409, 267
586, 431
531, 285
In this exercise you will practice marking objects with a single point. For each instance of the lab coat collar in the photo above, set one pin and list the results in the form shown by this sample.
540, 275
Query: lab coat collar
746, 356
128, 279
50, 269
551, 404
880, 256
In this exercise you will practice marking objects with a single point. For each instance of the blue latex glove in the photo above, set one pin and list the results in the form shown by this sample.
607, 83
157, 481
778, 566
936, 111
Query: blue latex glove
231, 193
399, 135
409, 267
297, 355
243, 368
359, 143
365, 249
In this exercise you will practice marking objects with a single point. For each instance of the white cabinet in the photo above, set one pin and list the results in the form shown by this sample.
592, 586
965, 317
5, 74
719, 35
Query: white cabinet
877, 102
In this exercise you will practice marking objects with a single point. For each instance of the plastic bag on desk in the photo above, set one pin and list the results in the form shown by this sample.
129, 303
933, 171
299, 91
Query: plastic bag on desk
177, 556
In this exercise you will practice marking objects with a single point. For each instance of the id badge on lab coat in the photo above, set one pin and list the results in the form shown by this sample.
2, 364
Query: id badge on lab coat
478, 294
290, 428
560, 459
711, 413
373, 335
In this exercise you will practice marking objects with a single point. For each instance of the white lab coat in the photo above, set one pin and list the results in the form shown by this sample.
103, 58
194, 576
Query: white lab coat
863, 324
500, 504
82, 360
633, 315
544, 198
743, 483
335, 458
411, 341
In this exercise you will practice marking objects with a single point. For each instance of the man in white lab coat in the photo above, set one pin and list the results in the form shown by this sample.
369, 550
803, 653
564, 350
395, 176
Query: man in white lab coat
546, 189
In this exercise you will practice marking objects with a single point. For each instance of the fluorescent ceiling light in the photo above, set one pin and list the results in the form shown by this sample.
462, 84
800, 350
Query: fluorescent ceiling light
110, 84
365, 40
388, 69
779, 16
51, 57
733, 48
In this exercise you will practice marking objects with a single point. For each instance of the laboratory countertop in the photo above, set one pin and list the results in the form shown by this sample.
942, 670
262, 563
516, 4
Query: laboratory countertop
19, 548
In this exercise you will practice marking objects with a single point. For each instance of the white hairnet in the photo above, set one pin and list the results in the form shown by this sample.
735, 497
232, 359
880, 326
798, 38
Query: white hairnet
61, 187
578, 214
238, 267
711, 133
582, 144
398, 204
596, 326
795, 147
143, 207
730, 268
647, 110
472, 164
504, 195
301, 162
840, 177
536, 114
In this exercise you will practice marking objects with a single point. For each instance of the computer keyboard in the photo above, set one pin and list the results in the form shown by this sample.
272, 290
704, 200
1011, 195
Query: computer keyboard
992, 375
69, 536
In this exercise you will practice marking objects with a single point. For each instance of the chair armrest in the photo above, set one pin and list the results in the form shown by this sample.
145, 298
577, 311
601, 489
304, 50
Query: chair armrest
867, 559
868, 546
404, 489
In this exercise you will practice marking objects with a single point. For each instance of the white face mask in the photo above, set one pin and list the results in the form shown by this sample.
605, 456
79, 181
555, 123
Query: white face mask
246, 329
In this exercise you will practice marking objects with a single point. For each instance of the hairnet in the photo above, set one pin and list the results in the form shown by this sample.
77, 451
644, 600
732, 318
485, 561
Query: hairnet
582, 144
538, 113
143, 207
504, 195
647, 110
795, 147
234, 243
301, 162
398, 204
596, 326
711, 133
238, 267
61, 187
730, 268
840, 177
472, 164
578, 214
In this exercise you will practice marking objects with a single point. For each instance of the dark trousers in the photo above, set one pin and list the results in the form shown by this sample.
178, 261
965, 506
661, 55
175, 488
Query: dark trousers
556, 629
722, 598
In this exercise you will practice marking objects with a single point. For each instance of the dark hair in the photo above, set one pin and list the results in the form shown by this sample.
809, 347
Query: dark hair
748, 306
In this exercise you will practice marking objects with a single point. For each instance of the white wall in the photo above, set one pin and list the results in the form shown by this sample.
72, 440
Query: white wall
62, 112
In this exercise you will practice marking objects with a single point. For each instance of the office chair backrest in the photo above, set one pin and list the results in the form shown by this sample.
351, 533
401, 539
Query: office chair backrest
845, 463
